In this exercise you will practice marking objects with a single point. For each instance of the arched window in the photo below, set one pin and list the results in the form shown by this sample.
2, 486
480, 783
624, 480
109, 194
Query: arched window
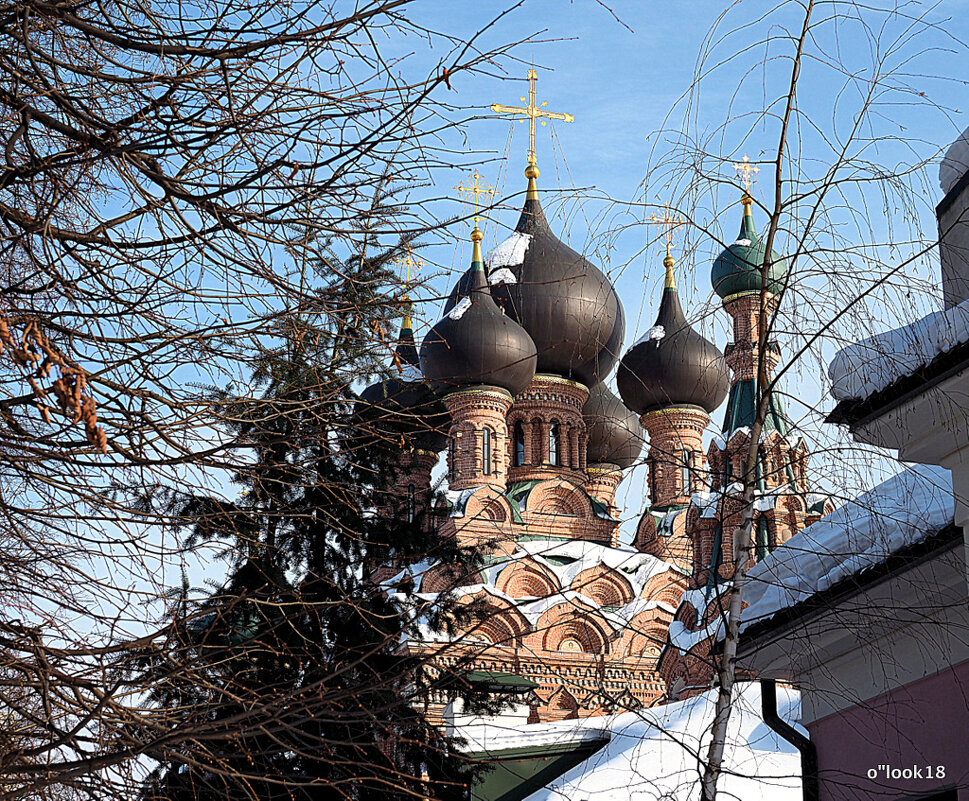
685, 477
554, 445
411, 502
452, 454
486, 446
519, 443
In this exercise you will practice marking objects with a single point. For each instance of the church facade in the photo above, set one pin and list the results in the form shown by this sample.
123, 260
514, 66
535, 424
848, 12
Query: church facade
537, 445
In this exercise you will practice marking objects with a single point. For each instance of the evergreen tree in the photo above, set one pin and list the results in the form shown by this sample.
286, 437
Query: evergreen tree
291, 678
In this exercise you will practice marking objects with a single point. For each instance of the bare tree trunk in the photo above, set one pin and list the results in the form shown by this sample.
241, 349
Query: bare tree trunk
727, 671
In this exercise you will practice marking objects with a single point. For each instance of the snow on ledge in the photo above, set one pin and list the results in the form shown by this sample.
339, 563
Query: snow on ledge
903, 510
861, 369
955, 163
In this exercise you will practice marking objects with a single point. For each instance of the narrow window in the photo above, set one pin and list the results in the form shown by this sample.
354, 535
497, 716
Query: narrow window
486, 451
519, 443
554, 451
411, 502
452, 452
685, 476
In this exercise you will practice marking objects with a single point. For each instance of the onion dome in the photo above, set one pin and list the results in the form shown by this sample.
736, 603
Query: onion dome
565, 303
402, 406
672, 365
476, 344
614, 434
737, 269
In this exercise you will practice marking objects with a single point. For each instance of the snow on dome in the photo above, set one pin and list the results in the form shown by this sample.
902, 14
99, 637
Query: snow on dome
511, 252
459, 309
654, 334
866, 367
746, 243
901, 511
955, 163
652, 753
502, 276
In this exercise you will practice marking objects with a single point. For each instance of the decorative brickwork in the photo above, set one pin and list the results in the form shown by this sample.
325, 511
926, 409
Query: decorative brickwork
676, 465
478, 452
604, 480
547, 431
743, 352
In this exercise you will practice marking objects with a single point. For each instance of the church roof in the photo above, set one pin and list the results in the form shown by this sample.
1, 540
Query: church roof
475, 344
567, 305
672, 364
737, 270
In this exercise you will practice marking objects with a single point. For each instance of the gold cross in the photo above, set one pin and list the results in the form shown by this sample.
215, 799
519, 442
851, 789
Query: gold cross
748, 174
667, 224
471, 190
408, 261
532, 111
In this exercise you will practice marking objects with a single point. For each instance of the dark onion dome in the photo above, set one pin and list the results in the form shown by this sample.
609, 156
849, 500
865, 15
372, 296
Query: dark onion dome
401, 406
737, 269
565, 303
614, 434
672, 365
475, 344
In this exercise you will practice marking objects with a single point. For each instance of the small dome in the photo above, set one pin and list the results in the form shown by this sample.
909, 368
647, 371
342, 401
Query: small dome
402, 405
737, 269
614, 434
565, 303
672, 365
476, 344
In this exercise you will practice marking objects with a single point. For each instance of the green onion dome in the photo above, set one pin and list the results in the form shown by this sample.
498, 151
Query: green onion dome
672, 364
475, 343
402, 407
614, 434
737, 270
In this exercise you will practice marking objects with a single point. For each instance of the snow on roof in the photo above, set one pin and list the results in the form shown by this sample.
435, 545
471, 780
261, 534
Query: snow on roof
637, 567
652, 753
955, 163
904, 510
656, 333
865, 367
511, 252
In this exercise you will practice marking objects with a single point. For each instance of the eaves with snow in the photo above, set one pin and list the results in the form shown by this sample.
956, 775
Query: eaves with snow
656, 753
904, 511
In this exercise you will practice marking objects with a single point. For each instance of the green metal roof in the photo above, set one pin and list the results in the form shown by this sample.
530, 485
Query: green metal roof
737, 270
742, 409
500, 680
516, 773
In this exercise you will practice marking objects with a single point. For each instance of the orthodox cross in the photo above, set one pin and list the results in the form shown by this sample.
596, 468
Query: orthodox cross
667, 224
404, 263
533, 111
748, 176
472, 190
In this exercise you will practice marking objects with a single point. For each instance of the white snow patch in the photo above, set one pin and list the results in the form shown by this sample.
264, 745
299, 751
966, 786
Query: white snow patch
511, 252
410, 372
654, 334
872, 364
743, 242
651, 753
955, 163
459, 309
902, 511
683, 639
503, 276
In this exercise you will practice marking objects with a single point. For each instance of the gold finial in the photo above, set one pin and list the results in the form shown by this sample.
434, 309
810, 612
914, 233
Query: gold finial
532, 112
748, 177
668, 224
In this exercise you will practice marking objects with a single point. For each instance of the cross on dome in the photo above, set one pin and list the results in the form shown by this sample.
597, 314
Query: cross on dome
667, 223
748, 177
471, 191
533, 111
